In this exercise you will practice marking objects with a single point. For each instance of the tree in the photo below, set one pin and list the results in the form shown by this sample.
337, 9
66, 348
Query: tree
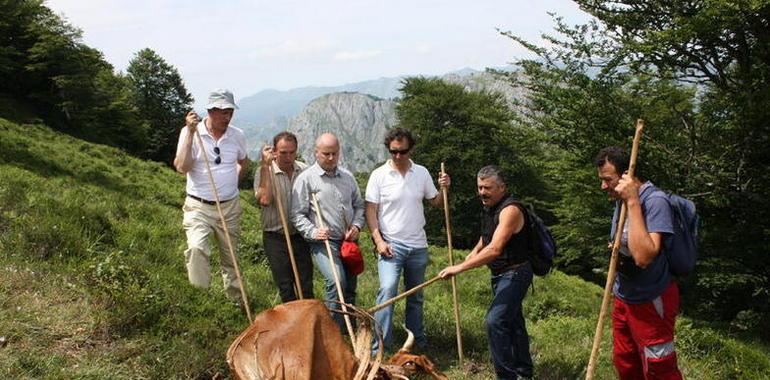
69, 84
15, 39
163, 101
466, 130
699, 73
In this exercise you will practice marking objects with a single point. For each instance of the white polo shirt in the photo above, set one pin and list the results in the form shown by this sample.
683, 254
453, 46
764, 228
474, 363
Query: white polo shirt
400, 200
232, 148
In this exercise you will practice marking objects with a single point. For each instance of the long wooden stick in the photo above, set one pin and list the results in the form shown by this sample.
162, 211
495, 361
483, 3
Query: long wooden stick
407, 293
277, 196
445, 193
227, 232
613, 258
334, 270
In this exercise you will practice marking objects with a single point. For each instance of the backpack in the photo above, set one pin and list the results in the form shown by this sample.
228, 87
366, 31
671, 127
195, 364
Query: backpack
542, 247
685, 242
683, 252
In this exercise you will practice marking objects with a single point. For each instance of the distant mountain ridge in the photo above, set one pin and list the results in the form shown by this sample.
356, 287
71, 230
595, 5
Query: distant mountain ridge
266, 105
309, 111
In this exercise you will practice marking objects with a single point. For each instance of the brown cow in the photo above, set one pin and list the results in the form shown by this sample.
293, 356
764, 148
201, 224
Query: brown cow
299, 340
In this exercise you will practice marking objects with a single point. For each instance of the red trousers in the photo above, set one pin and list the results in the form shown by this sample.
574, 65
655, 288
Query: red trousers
643, 337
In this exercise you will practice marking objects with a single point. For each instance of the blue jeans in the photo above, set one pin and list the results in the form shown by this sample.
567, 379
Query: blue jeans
506, 330
412, 261
348, 282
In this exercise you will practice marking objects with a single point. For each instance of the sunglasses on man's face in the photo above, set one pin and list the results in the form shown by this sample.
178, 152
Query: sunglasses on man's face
218, 159
397, 151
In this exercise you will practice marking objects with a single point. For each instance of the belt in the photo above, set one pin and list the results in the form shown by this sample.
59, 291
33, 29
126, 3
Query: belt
509, 268
280, 233
206, 201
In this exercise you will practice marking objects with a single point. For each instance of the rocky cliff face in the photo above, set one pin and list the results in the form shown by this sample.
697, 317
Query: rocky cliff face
358, 120
484, 81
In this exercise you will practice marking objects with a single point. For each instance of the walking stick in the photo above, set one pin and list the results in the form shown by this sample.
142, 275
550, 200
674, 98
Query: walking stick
613, 258
282, 214
227, 232
445, 193
409, 292
334, 270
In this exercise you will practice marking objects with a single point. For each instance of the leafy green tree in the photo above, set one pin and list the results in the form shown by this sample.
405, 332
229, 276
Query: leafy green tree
162, 99
15, 39
466, 130
68, 83
698, 73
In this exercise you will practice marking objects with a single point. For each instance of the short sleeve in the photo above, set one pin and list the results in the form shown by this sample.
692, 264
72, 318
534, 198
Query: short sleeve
657, 215
242, 153
373, 188
429, 187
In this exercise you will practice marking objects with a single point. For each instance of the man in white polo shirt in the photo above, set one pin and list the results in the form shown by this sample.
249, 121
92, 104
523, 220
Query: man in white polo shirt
394, 213
225, 148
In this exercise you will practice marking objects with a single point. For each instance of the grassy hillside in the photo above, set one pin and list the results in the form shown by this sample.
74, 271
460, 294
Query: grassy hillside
93, 285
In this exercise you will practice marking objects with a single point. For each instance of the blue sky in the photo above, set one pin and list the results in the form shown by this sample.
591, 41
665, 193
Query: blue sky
249, 46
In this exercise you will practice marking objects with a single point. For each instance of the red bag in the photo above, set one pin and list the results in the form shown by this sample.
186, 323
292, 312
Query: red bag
352, 258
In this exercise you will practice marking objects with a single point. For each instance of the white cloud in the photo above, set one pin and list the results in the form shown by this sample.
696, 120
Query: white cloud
356, 55
423, 48
293, 48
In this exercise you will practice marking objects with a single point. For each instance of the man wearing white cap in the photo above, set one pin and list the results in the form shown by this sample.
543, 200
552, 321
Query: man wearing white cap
225, 148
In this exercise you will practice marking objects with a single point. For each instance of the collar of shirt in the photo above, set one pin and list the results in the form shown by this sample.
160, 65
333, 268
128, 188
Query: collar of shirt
318, 170
644, 187
393, 167
277, 169
204, 131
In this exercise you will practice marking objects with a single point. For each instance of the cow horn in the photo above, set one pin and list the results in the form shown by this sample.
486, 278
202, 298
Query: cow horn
409, 341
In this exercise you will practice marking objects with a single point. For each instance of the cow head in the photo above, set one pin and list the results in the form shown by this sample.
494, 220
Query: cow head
412, 364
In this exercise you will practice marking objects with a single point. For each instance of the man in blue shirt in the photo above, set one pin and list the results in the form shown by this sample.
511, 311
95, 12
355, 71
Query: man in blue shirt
646, 297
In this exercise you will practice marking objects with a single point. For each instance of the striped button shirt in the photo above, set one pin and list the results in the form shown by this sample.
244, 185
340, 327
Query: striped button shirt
271, 220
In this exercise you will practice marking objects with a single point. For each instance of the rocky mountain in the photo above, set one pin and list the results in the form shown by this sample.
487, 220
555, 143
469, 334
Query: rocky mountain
485, 81
358, 120
267, 112
358, 113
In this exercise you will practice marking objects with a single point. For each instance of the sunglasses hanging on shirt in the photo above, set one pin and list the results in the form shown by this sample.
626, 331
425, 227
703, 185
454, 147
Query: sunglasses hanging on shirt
218, 159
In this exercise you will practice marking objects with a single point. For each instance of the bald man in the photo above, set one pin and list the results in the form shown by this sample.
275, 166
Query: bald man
342, 209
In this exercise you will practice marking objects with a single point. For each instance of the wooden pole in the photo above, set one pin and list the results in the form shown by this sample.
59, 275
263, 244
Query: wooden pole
227, 232
334, 270
407, 293
277, 196
613, 258
445, 193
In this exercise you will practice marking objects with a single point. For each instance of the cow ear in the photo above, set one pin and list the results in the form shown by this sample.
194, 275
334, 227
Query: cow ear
431, 368
425, 363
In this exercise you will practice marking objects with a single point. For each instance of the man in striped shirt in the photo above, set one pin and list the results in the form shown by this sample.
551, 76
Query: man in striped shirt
282, 156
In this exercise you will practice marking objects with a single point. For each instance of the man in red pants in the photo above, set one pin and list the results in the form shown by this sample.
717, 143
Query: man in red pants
646, 297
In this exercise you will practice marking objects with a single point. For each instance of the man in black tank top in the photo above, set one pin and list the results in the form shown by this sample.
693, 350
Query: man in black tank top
502, 247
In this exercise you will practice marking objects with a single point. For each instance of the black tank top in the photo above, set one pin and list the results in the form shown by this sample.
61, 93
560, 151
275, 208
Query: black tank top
515, 250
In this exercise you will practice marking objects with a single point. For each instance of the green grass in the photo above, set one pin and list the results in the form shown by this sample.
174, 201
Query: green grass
93, 284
